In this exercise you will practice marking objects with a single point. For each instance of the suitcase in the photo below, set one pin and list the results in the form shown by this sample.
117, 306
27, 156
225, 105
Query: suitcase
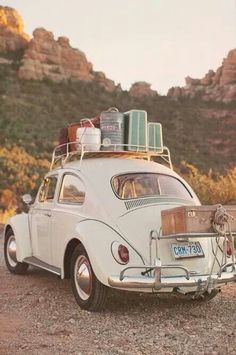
63, 139
136, 130
192, 219
72, 129
155, 141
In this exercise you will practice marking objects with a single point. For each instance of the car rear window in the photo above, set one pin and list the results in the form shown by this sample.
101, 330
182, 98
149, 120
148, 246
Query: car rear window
128, 186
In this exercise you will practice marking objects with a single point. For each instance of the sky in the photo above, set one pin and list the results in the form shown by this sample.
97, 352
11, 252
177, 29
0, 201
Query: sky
157, 41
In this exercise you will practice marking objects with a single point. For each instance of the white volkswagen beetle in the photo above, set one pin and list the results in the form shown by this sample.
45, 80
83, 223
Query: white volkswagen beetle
97, 220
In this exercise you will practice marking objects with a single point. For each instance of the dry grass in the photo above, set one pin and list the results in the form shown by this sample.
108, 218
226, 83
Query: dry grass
211, 188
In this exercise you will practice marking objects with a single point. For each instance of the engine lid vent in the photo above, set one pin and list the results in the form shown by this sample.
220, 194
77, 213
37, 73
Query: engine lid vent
141, 202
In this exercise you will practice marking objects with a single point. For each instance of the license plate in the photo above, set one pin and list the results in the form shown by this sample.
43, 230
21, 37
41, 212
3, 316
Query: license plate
187, 250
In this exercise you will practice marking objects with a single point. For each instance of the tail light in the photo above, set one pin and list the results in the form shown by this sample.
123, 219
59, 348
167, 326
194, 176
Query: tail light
228, 247
120, 252
123, 253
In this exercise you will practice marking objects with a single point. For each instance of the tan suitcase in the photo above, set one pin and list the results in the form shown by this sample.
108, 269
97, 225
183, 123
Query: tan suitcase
72, 129
193, 219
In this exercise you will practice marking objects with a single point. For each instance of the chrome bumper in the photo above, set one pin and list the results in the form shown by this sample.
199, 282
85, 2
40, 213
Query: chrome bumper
144, 282
171, 282
152, 280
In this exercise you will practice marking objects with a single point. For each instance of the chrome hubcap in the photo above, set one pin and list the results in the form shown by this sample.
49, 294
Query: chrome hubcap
83, 277
11, 251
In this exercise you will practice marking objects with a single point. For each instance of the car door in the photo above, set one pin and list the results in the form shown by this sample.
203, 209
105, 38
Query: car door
68, 211
41, 226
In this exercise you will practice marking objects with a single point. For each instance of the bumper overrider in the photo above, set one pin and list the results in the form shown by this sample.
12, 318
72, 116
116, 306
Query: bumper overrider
151, 278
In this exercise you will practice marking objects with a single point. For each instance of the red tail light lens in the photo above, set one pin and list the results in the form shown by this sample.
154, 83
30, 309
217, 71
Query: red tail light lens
123, 253
228, 247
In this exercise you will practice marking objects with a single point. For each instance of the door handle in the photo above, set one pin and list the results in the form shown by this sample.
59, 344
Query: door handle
47, 214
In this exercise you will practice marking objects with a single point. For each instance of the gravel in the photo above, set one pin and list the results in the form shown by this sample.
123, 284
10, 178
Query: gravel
39, 315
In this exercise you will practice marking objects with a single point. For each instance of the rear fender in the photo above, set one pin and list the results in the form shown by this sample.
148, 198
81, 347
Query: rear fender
97, 238
20, 226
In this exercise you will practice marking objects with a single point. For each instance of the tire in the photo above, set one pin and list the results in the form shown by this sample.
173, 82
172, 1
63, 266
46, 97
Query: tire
13, 265
206, 297
89, 292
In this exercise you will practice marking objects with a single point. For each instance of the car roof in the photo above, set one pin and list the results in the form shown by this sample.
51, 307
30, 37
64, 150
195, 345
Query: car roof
98, 172
114, 166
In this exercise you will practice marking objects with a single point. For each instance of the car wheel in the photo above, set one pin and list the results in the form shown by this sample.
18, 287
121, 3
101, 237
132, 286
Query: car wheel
10, 255
89, 292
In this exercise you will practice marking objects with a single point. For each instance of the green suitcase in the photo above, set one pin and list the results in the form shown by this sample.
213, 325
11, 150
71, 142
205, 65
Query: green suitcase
136, 130
155, 140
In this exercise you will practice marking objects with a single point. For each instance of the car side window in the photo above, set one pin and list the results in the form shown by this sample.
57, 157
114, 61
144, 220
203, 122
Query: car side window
48, 189
72, 190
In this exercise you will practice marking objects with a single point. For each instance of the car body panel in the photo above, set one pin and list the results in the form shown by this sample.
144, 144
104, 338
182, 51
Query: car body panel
41, 230
97, 238
140, 237
99, 172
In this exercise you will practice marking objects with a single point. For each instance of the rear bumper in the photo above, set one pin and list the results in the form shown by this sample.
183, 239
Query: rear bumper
198, 283
151, 279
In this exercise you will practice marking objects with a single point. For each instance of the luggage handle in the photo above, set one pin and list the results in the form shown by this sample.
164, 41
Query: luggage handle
112, 109
83, 120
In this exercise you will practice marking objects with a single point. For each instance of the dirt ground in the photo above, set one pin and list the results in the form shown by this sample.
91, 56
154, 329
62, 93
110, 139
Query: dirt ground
38, 315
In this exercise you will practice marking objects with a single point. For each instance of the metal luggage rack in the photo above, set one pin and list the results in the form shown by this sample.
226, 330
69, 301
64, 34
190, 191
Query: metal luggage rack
72, 151
223, 263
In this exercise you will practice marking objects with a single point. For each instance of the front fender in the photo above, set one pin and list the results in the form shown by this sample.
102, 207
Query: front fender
97, 238
20, 226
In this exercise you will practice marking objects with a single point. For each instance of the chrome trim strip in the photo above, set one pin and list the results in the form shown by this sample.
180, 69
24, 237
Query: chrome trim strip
42, 265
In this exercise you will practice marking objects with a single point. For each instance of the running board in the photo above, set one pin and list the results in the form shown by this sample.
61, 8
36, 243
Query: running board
41, 264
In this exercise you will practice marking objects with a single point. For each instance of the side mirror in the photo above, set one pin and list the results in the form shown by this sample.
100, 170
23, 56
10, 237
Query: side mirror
27, 199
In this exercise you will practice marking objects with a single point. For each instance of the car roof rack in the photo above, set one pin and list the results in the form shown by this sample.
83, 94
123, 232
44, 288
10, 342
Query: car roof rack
74, 151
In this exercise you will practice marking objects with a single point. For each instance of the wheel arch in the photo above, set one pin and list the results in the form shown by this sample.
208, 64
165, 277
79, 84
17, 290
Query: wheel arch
7, 228
97, 238
72, 244
19, 224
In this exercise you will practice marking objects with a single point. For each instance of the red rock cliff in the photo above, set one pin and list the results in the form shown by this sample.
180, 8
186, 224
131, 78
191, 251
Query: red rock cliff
215, 86
140, 89
12, 35
47, 57
44, 56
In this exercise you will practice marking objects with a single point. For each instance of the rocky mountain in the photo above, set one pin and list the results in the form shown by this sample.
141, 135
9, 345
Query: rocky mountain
142, 89
219, 86
12, 35
46, 84
45, 57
